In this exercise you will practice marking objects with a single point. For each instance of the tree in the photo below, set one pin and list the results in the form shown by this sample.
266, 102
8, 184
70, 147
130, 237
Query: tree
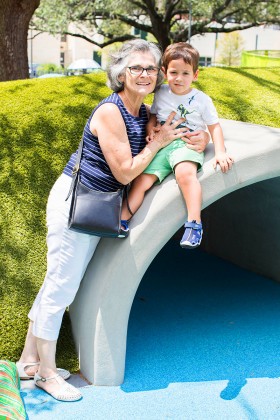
166, 20
230, 48
15, 16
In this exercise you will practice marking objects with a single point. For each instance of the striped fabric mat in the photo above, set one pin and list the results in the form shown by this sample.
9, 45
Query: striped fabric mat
11, 405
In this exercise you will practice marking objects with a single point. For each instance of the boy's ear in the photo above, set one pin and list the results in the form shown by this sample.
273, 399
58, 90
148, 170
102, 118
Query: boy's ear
195, 76
163, 70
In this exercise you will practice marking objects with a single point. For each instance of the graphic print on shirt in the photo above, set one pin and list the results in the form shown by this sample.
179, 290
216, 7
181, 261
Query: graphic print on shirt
183, 112
192, 98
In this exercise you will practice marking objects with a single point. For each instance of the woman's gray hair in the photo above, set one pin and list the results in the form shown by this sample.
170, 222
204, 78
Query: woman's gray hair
119, 60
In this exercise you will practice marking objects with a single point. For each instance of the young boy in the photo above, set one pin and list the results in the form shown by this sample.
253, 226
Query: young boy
180, 66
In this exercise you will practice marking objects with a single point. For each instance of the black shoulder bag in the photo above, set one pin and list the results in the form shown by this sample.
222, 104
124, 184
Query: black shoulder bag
94, 212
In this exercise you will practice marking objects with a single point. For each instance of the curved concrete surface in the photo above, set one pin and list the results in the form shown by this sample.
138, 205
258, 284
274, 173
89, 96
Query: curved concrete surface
101, 309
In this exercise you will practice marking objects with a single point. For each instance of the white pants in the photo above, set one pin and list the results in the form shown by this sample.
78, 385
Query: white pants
68, 256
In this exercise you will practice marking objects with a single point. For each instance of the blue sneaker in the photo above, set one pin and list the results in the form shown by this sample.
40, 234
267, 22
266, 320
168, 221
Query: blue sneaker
124, 229
192, 236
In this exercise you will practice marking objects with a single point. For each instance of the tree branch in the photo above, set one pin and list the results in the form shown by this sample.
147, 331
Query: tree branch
180, 12
104, 44
140, 5
124, 19
199, 28
34, 36
151, 9
170, 6
220, 9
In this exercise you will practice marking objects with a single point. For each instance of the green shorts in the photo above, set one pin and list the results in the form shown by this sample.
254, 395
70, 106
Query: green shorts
167, 158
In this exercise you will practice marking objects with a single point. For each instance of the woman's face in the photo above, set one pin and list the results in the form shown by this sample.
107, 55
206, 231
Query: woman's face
136, 81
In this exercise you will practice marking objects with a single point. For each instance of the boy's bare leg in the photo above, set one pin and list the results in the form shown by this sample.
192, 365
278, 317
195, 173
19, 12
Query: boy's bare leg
186, 176
136, 195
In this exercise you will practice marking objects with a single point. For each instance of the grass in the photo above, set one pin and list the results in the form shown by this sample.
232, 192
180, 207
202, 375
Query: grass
41, 122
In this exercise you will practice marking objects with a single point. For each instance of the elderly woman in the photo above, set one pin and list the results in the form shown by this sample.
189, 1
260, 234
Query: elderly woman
114, 153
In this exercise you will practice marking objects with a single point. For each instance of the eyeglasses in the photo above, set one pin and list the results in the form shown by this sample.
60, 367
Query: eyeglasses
138, 70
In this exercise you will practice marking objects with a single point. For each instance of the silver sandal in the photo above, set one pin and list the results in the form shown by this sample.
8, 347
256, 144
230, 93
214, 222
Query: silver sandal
66, 391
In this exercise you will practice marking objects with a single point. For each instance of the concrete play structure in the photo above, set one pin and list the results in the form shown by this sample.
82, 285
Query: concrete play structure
101, 309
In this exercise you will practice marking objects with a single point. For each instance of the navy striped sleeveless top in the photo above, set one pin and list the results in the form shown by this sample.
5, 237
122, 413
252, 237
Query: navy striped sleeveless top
94, 170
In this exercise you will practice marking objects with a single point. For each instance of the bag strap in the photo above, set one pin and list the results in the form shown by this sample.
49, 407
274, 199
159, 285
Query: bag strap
75, 172
76, 168
127, 204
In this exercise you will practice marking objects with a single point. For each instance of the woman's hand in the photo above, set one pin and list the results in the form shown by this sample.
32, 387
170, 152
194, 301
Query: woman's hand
168, 132
197, 140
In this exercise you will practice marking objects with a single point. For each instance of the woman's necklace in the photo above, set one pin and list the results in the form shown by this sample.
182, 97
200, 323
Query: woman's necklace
133, 109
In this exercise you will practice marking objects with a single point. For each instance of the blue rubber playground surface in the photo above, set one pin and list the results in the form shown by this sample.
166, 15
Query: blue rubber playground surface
203, 343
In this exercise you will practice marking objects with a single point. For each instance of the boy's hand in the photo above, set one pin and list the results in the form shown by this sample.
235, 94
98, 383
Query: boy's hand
151, 134
149, 139
224, 160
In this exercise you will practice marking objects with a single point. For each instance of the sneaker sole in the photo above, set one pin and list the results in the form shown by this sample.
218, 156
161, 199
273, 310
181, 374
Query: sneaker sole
189, 245
122, 235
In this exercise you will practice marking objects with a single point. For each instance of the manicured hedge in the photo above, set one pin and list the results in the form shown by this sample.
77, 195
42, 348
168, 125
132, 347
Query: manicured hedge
41, 122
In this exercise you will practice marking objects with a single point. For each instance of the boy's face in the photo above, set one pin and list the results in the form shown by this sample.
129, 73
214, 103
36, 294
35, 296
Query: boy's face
180, 76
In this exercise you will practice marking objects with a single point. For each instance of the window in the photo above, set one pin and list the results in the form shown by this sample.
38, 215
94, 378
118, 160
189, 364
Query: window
205, 61
62, 59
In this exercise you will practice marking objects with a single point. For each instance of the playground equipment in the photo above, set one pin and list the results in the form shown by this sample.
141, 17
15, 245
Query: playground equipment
101, 309
260, 58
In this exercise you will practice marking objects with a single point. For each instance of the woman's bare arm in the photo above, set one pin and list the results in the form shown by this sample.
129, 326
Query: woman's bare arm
108, 125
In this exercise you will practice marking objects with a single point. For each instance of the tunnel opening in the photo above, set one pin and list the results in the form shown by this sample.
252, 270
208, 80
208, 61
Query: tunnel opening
243, 227
212, 314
